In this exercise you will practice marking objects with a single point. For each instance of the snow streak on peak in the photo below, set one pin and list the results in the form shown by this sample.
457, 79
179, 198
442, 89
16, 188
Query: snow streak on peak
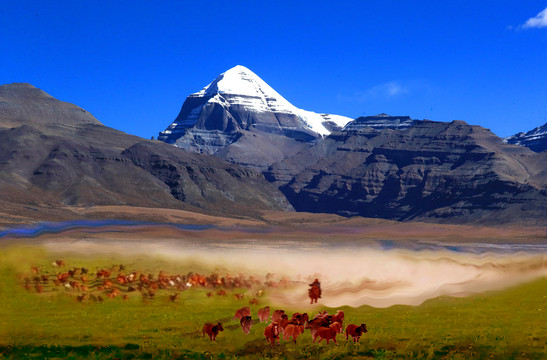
241, 86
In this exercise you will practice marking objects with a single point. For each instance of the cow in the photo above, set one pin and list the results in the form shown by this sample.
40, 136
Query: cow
293, 330
63, 277
327, 333
277, 315
246, 322
240, 313
272, 333
283, 322
355, 331
264, 314
339, 318
300, 318
316, 323
212, 330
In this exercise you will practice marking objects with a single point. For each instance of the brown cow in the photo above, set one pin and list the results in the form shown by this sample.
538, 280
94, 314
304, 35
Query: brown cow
240, 313
283, 322
63, 277
339, 318
277, 315
316, 323
212, 330
264, 314
327, 333
300, 318
246, 322
293, 330
272, 333
355, 331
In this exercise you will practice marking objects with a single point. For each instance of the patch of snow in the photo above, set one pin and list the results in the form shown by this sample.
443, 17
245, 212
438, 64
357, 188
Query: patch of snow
240, 86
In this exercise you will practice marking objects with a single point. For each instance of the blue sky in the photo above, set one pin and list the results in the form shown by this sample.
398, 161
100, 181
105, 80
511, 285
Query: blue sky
132, 63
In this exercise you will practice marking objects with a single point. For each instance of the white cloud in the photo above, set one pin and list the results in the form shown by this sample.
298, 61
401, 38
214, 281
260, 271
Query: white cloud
538, 21
385, 91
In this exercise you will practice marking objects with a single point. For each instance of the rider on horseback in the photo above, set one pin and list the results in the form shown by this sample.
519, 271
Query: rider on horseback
316, 284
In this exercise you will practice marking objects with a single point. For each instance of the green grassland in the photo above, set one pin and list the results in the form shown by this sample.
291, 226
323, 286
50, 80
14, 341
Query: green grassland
511, 324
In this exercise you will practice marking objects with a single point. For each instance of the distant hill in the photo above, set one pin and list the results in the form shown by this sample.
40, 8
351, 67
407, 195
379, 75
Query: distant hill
54, 154
431, 171
535, 139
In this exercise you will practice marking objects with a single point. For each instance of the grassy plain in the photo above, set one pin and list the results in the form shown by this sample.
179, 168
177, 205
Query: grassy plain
509, 324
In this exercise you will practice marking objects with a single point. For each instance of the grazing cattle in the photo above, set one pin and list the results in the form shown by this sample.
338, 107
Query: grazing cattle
144, 279
316, 323
355, 331
244, 311
272, 333
264, 314
103, 274
283, 322
112, 293
212, 330
339, 318
328, 333
63, 277
253, 301
277, 315
82, 297
300, 318
58, 263
293, 330
246, 322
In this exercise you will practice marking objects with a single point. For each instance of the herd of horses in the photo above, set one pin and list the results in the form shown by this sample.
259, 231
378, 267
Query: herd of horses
322, 326
116, 280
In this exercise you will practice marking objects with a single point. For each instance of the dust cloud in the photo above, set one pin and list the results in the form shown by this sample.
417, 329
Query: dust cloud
349, 275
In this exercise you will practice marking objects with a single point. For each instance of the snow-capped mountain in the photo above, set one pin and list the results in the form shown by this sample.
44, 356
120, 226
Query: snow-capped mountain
239, 103
535, 139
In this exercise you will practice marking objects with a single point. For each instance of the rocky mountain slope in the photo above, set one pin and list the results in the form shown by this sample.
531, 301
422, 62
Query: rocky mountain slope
380, 121
54, 154
432, 171
535, 139
240, 118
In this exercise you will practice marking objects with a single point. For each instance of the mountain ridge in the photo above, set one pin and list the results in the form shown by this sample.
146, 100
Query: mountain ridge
54, 154
432, 171
535, 139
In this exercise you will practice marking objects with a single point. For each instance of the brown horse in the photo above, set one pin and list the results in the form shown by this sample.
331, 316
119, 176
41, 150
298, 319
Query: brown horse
314, 292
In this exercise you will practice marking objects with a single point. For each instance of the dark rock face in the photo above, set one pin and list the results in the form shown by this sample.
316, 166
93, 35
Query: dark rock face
231, 132
378, 122
201, 181
441, 172
535, 139
50, 159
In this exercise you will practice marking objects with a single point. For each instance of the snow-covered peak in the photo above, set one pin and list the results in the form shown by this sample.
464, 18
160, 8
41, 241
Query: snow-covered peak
535, 139
241, 86
239, 81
